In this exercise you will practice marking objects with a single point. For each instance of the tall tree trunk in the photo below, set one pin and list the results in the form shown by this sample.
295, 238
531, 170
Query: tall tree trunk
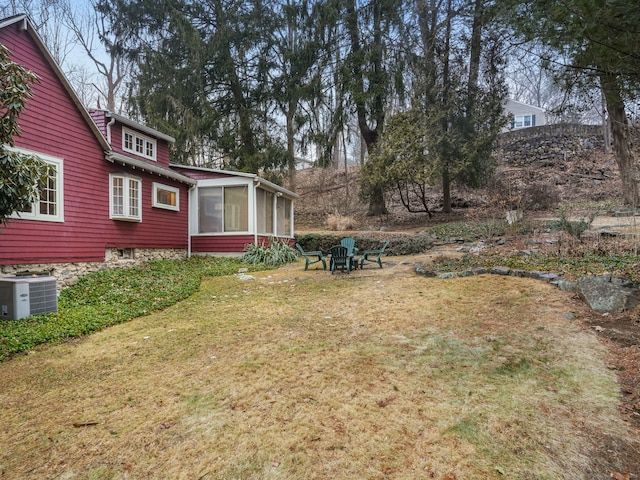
291, 157
377, 205
475, 50
621, 139
446, 85
446, 190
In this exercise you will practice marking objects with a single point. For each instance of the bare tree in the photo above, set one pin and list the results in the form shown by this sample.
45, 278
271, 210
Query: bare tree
79, 41
47, 19
92, 34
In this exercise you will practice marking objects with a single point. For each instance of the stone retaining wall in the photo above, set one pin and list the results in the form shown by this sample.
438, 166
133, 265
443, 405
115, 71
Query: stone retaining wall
549, 142
68, 273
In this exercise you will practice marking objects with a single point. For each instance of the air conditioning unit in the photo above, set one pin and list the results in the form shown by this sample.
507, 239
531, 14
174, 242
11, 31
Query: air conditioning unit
24, 296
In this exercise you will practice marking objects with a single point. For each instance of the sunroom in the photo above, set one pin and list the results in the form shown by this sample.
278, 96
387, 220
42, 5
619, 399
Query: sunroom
229, 210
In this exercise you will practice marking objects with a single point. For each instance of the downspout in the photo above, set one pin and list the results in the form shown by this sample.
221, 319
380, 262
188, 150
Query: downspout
111, 122
192, 188
255, 212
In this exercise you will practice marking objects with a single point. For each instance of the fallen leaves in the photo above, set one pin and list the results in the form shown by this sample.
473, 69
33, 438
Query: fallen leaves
620, 476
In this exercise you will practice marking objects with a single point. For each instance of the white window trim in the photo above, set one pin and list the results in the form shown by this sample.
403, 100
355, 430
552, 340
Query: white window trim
522, 119
126, 216
144, 139
154, 199
35, 210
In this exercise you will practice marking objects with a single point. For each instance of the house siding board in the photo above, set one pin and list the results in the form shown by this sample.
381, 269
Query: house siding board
220, 243
228, 243
100, 120
52, 124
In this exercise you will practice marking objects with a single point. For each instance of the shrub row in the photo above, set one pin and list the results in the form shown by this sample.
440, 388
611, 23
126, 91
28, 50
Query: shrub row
398, 245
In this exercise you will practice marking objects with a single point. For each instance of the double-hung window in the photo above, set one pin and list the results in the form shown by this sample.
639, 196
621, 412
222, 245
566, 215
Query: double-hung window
49, 204
125, 197
523, 121
138, 144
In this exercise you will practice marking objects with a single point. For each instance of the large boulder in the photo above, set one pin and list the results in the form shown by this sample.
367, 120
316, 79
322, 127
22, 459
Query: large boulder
606, 294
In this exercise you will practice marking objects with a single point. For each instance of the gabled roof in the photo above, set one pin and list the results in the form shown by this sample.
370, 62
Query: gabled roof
27, 25
139, 126
531, 107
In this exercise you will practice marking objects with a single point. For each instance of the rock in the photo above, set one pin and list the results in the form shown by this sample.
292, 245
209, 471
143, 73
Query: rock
547, 276
500, 270
420, 270
606, 294
623, 213
566, 285
466, 273
447, 275
480, 271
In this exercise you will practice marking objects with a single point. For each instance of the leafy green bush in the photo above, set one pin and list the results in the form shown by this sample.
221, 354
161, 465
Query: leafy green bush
276, 254
410, 245
469, 231
321, 242
398, 244
109, 297
575, 228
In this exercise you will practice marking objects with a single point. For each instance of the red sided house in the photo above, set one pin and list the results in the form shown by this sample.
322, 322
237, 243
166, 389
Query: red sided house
112, 198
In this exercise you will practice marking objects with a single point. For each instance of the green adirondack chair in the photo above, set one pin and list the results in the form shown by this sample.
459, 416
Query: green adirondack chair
340, 258
373, 256
352, 250
312, 257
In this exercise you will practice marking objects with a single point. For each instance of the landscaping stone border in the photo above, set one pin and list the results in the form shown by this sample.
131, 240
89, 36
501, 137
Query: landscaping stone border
604, 294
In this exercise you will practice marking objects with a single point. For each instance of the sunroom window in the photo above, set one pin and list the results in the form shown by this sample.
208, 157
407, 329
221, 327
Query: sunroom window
265, 210
223, 209
283, 215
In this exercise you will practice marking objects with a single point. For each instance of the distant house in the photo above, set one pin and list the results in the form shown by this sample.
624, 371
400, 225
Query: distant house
524, 116
113, 198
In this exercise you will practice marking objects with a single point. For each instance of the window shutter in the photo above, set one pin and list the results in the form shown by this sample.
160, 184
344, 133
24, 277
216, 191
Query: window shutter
533, 120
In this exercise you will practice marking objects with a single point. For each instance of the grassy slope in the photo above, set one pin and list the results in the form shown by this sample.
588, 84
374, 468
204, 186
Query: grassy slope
303, 375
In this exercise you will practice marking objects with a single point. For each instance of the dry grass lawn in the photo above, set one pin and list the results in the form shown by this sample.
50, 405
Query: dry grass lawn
380, 374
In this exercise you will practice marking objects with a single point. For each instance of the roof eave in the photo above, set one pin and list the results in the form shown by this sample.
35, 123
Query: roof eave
115, 157
256, 178
138, 126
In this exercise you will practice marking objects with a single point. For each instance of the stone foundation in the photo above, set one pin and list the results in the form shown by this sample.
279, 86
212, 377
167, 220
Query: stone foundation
68, 273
